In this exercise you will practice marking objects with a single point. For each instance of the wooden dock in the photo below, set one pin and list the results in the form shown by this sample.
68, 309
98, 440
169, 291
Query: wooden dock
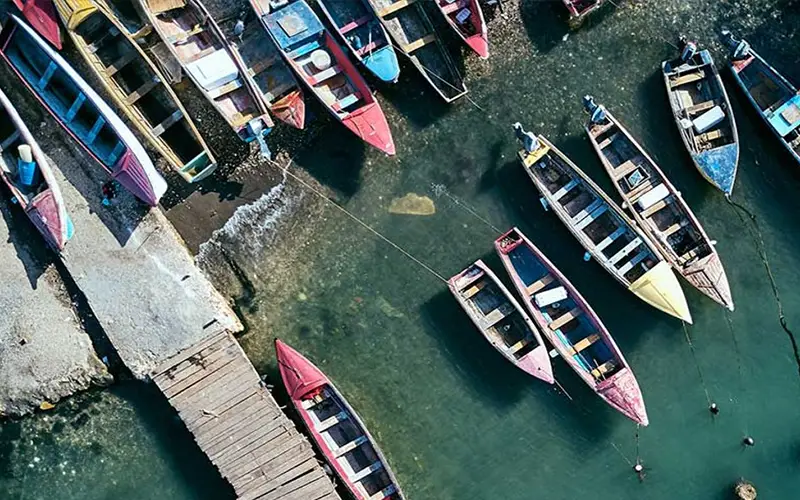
238, 425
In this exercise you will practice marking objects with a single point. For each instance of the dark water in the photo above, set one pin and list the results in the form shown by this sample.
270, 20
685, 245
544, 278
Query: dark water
455, 419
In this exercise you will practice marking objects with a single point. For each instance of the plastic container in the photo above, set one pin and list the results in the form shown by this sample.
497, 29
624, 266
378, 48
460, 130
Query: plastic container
26, 167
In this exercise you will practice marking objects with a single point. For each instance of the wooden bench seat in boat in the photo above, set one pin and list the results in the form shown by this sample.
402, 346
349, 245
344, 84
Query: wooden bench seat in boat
611, 238
591, 217
120, 63
539, 284
354, 24
675, 228
498, 313
241, 120
656, 207
419, 43
604, 368
520, 345
583, 343
279, 89
587, 210
315, 400
551, 296
168, 122
366, 471
608, 140
72, 112
700, 107
263, 64
331, 421
564, 319
183, 36
566, 188
366, 48
303, 50
390, 9
203, 53
352, 445
477, 287
384, 493
625, 169
634, 261
599, 130
639, 190
327, 74
687, 78
110, 33
226, 88
691, 254
624, 251
712, 135
143, 90
346, 101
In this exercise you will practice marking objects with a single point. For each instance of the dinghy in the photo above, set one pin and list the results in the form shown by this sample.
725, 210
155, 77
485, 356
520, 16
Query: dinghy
466, 19
704, 115
570, 325
137, 87
336, 429
501, 319
657, 207
580, 9
775, 98
31, 180
319, 61
42, 17
608, 236
364, 35
82, 113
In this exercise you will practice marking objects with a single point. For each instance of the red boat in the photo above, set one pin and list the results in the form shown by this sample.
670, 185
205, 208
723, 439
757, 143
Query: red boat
466, 18
579, 9
336, 429
41, 14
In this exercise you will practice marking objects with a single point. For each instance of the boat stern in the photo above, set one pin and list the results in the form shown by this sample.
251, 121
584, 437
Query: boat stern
48, 214
479, 44
74, 12
139, 176
383, 64
537, 363
622, 392
719, 166
660, 288
291, 109
299, 375
369, 123
43, 18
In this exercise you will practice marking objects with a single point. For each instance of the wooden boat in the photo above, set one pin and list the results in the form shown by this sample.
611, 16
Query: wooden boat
82, 113
466, 19
570, 325
319, 61
704, 115
414, 35
41, 198
196, 41
580, 9
501, 319
364, 35
41, 15
602, 228
336, 428
137, 87
657, 207
775, 98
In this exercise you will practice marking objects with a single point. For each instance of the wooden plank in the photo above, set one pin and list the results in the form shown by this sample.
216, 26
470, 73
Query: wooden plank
218, 429
471, 291
395, 7
9, 140
220, 407
263, 472
142, 90
167, 123
673, 229
520, 345
245, 462
202, 368
120, 63
655, 208
624, 251
188, 353
625, 169
603, 369
699, 108
272, 436
564, 319
687, 78
213, 382
352, 445
309, 486
540, 284
204, 402
419, 43
171, 374
221, 413
639, 191
181, 37
584, 343
236, 431
293, 468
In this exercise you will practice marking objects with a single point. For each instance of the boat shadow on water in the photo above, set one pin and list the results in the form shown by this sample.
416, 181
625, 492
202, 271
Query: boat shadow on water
546, 23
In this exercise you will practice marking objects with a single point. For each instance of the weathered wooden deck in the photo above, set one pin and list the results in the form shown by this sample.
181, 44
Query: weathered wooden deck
238, 425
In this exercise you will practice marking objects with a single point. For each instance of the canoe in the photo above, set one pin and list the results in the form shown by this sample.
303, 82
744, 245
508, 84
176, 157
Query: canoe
704, 117
336, 429
195, 40
42, 17
137, 87
579, 9
775, 98
78, 108
466, 19
323, 66
414, 35
570, 325
364, 36
603, 229
270, 75
39, 196
501, 319
657, 207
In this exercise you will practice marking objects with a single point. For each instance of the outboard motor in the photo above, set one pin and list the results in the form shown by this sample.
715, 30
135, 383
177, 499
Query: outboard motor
597, 112
741, 49
689, 50
528, 139
256, 127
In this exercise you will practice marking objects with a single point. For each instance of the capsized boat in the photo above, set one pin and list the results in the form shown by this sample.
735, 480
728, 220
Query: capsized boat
775, 98
336, 428
364, 35
580, 9
466, 19
501, 319
319, 61
657, 207
570, 325
78, 108
606, 233
137, 87
42, 17
31, 180
703, 114
414, 35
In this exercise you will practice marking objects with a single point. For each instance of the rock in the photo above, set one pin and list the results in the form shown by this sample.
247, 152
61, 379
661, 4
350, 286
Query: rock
46, 405
745, 490
412, 204
388, 309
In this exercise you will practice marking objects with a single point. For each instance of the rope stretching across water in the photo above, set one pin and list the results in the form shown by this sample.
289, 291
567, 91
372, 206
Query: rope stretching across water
696, 363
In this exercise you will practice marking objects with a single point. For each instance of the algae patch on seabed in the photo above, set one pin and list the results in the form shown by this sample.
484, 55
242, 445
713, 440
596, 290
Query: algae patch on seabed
412, 204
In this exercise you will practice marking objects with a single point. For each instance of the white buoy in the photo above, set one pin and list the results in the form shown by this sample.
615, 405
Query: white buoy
321, 59
25, 153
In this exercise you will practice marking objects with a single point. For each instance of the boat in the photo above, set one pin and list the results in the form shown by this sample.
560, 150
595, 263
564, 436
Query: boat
775, 98
137, 87
80, 111
31, 182
319, 61
501, 319
570, 325
580, 9
364, 36
704, 115
607, 234
336, 429
466, 19
41, 15
196, 41
409, 26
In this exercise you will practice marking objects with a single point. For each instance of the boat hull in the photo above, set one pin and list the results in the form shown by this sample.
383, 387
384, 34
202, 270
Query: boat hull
472, 30
42, 17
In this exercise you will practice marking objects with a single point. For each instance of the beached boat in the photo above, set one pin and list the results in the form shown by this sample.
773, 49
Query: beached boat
78, 108
607, 234
336, 428
196, 41
320, 62
364, 35
41, 15
31, 181
501, 319
137, 86
704, 115
466, 19
414, 35
570, 325
775, 98
579, 9
657, 207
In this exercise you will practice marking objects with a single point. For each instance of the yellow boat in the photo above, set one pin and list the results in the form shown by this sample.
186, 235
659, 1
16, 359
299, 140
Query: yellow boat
137, 86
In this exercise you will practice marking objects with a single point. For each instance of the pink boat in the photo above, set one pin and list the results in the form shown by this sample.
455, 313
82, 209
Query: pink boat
336, 429
501, 320
466, 19
41, 14
570, 325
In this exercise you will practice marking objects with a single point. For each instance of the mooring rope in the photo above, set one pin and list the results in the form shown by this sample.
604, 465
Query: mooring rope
441, 189
696, 363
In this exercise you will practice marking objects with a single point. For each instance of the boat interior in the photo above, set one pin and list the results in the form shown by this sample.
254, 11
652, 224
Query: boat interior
350, 445
357, 25
461, 14
10, 140
583, 6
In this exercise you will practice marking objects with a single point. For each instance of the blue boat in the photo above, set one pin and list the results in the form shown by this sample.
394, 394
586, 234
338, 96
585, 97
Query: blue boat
775, 98
703, 114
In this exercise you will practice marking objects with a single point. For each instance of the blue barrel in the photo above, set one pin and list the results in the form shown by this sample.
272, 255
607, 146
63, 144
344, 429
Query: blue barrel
27, 172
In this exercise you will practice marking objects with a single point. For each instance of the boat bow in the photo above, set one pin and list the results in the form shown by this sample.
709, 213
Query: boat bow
622, 392
660, 288
369, 123
299, 375
718, 166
